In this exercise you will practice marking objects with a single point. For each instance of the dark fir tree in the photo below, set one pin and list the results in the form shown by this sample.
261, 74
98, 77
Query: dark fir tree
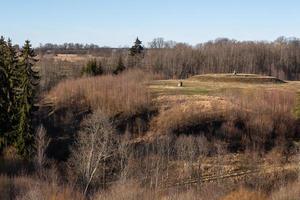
3, 93
10, 63
119, 67
26, 96
137, 48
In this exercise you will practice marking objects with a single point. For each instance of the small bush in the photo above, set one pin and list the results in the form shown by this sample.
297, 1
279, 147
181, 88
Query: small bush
120, 67
92, 68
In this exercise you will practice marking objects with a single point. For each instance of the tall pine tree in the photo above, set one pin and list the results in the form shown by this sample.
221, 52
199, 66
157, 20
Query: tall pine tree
25, 99
3, 93
11, 62
136, 53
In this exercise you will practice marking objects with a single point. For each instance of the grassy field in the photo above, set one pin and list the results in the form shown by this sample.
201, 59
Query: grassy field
218, 83
241, 78
262, 99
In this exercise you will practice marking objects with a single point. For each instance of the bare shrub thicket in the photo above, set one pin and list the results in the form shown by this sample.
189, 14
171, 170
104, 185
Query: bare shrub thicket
24, 187
251, 119
125, 93
41, 143
95, 144
52, 72
132, 190
287, 192
279, 58
261, 119
129, 191
191, 150
124, 155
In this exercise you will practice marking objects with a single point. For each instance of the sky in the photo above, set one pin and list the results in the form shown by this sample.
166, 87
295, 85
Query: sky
117, 23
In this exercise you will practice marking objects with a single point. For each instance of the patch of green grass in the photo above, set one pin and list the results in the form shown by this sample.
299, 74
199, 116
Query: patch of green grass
179, 91
169, 87
240, 78
193, 91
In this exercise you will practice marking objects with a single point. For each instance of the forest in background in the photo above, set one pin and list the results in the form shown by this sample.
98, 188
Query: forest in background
279, 58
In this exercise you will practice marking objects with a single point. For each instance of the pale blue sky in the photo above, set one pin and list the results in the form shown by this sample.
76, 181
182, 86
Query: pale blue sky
117, 22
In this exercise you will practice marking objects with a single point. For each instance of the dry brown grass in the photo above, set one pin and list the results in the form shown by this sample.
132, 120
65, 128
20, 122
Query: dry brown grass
30, 188
266, 102
181, 112
243, 194
251, 117
129, 190
125, 93
288, 192
72, 57
261, 116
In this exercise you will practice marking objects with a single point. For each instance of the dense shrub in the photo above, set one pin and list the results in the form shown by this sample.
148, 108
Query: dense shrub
92, 68
125, 93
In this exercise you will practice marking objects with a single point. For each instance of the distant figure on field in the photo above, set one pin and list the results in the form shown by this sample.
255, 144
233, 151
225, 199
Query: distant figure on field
180, 84
234, 73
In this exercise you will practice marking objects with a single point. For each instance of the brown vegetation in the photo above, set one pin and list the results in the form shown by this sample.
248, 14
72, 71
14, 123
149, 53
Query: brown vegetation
126, 93
225, 56
287, 192
31, 188
243, 194
243, 118
279, 58
201, 144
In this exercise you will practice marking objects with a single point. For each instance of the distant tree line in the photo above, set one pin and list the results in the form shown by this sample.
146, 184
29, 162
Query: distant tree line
18, 83
280, 58
73, 48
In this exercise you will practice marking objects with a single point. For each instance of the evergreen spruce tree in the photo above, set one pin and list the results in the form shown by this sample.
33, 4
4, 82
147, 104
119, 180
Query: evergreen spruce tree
137, 48
136, 53
119, 67
3, 93
11, 62
25, 99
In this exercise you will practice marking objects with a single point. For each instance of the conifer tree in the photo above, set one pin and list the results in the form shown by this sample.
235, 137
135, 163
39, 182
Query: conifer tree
3, 93
119, 67
92, 68
137, 48
11, 62
25, 99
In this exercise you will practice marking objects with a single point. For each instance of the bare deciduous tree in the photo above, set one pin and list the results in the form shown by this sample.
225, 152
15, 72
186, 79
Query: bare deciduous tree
94, 145
41, 143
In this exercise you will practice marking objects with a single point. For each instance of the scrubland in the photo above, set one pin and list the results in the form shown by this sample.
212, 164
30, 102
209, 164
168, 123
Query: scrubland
209, 139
